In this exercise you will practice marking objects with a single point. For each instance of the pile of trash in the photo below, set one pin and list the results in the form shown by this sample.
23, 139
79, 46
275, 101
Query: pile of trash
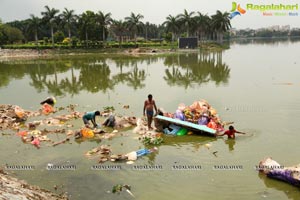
148, 137
200, 112
11, 116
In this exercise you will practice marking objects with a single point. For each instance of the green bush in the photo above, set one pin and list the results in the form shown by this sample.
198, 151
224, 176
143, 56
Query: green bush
58, 36
46, 40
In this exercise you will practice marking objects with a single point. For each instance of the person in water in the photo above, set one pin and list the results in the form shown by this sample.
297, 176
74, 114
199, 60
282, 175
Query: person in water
90, 116
231, 133
149, 107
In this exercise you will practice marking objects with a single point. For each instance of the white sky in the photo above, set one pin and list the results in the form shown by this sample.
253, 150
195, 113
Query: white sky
154, 11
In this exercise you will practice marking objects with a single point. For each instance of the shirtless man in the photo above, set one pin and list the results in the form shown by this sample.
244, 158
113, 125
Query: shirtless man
148, 107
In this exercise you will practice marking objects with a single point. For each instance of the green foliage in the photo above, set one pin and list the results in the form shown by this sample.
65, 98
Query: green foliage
168, 37
58, 36
153, 141
10, 35
46, 40
117, 188
74, 41
108, 109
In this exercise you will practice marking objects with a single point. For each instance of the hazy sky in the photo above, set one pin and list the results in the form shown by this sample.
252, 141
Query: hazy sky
154, 11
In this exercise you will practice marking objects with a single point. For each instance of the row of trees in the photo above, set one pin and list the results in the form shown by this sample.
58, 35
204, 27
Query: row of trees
98, 26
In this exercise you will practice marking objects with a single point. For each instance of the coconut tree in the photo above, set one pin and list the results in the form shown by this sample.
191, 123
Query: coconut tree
220, 24
86, 22
202, 25
187, 20
33, 25
134, 24
118, 27
49, 16
172, 25
69, 18
104, 20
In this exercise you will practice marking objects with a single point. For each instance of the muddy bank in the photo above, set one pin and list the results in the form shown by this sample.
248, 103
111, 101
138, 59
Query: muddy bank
12, 188
8, 54
20, 54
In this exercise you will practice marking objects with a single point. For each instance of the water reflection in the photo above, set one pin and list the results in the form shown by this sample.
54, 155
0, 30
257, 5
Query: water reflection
101, 74
188, 70
291, 192
230, 144
269, 41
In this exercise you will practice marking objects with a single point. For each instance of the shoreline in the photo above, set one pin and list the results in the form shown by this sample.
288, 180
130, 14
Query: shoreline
13, 188
24, 54
28, 54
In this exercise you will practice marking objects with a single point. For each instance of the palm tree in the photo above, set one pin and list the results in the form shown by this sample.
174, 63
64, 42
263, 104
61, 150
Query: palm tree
220, 24
172, 25
134, 24
34, 24
49, 17
86, 21
68, 17
136, 78
118, 27
104, 20
203, 25
187, 20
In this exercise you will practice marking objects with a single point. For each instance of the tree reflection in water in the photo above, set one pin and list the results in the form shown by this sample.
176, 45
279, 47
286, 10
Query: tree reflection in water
188, 70
93, 74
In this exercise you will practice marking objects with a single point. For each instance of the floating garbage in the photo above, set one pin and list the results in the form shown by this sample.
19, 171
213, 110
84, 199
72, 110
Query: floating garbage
274, 170
87, 133
119, 187
19, 112
36, 142
47, 109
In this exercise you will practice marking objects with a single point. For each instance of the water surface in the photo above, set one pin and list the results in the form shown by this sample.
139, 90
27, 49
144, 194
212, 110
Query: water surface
254, 83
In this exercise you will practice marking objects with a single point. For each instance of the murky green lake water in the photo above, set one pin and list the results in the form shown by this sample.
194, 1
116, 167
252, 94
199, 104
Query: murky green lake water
255, 84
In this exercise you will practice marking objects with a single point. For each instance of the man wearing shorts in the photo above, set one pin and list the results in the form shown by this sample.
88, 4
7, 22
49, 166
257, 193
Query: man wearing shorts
149, 107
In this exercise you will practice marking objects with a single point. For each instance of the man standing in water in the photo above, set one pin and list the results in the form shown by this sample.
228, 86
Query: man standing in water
148, 107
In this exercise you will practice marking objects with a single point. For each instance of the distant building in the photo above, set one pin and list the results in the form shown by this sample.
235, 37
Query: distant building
274, 28
286, 28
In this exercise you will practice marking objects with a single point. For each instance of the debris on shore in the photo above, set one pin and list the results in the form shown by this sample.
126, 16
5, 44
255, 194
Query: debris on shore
12, 188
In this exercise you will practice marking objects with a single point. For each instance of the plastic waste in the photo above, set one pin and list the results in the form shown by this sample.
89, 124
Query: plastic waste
131, 156
47, 109
36, 142
19, 112
142, 152
182, 131
172, 130
87, 133
22, 133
